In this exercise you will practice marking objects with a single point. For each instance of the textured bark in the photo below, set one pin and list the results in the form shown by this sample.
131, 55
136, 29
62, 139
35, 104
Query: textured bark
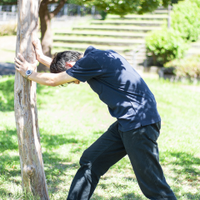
46, 34
45, 26
32, 170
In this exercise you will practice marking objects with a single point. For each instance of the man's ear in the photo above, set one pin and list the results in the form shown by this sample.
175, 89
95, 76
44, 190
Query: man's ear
68, 65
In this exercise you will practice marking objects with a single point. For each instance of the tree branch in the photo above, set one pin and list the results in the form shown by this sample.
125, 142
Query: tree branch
59, 6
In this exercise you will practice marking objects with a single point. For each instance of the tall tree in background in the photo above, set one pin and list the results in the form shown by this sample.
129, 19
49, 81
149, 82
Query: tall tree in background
45, 26
32, 170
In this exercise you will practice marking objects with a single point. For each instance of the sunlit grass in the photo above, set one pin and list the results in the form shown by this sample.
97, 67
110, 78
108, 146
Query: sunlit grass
72, 117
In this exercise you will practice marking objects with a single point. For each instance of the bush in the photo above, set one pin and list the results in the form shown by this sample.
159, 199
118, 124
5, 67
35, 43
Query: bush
197, 2
165, 45
186, 19
188, 67
8, 29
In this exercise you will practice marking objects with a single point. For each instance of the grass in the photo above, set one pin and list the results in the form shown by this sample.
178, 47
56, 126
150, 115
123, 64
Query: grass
72, 117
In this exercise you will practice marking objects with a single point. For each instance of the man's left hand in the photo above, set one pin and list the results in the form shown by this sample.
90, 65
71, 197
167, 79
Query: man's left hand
21, 65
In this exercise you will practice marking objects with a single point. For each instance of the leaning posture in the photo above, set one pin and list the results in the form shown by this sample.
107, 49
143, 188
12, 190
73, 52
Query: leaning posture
129, 100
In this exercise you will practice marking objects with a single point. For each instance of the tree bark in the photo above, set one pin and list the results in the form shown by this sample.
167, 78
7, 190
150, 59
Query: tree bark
45, 27
32, 170
46, 33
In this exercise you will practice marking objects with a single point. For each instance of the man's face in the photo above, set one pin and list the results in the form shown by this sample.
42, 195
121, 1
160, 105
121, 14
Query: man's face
69, 65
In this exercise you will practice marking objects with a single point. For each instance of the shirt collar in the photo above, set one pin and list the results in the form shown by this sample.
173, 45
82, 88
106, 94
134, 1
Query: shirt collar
88, 50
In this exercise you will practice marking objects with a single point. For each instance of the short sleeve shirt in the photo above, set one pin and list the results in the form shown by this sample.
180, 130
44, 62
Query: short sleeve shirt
119, 86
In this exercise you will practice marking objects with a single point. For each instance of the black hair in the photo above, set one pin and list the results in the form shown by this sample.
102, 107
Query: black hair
59, 60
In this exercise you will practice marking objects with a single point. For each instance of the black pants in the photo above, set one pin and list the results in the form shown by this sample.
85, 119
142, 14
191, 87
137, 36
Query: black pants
140, 145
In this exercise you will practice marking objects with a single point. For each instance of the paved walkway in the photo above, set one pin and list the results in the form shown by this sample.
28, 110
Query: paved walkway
7, 54
7, 69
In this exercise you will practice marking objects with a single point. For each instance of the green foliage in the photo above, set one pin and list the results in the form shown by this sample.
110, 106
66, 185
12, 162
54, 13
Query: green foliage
8, 2
149, 6
7, 93
197, 2
165, 45
123, 7
186, 67
8, 29
186, 19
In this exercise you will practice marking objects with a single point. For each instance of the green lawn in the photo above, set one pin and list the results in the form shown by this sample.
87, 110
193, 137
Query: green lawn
72, 117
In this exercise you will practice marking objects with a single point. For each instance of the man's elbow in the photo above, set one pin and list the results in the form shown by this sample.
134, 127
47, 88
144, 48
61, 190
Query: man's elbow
52, 83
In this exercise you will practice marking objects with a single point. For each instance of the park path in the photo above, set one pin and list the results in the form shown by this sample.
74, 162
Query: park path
7, 54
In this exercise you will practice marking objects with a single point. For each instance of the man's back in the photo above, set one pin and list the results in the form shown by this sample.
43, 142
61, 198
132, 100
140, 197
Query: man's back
119, 86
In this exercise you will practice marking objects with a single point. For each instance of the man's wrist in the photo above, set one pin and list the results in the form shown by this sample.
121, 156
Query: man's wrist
28, 73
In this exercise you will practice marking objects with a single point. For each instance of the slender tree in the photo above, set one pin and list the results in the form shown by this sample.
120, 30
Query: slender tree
32, 170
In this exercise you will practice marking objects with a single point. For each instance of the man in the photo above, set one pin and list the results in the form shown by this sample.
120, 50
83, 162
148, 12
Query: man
128, 99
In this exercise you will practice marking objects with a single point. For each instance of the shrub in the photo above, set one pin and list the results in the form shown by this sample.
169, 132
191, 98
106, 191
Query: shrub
197, 2
187, 67
185, 19
8, 29
165, 45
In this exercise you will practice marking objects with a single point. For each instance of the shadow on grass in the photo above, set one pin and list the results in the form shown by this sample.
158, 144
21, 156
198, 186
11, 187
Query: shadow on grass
8, 140
126, 196
187, 163
7, 93
53, 141
184, 166
186, 171
55, 170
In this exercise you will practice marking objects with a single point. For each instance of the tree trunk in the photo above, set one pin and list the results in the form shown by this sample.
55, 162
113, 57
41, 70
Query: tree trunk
46, 33
32, 170
45, 27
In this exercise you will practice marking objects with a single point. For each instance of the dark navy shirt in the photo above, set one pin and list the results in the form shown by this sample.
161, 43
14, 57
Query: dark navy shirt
119, 86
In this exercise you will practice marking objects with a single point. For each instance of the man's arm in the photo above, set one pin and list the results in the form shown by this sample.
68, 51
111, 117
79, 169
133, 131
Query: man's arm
49, 79
45, 60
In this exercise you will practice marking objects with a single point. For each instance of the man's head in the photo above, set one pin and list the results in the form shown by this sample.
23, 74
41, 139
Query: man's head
61, 61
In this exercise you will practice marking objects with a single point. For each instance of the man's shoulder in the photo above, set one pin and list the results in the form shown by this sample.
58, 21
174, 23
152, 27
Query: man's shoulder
89, 49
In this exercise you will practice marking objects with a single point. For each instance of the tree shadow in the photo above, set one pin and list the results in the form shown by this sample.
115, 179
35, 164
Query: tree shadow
7, 93
126, 196
53, 141
186, 161
185, 171
185, 166
7, 141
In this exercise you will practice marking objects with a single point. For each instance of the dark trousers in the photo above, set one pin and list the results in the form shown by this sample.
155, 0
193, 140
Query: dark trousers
140, 145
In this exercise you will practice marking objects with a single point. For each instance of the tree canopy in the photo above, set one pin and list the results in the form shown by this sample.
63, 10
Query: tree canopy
119, 7
123, 7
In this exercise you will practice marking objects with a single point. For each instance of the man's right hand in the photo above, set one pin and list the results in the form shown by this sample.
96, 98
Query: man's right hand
38, 48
